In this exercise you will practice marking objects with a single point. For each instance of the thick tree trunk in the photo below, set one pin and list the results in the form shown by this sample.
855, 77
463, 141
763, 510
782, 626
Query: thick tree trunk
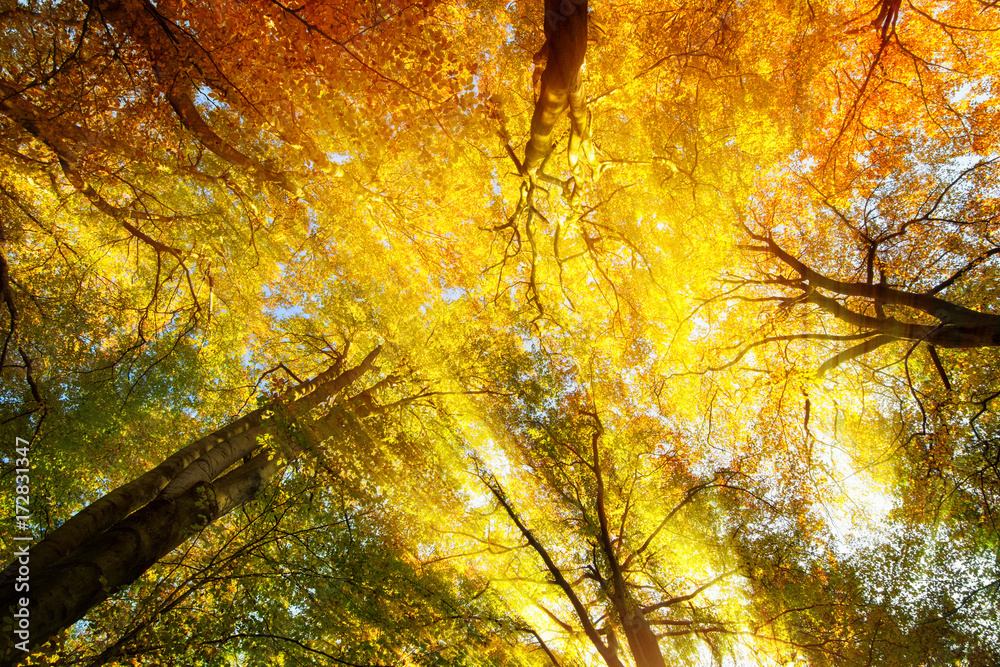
116, 558
641, 641
109, 544
561, 83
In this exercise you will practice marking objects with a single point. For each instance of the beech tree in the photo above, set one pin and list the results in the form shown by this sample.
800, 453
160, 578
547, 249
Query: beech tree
896, 298
633, 546
875, 291
603, 247
115, 539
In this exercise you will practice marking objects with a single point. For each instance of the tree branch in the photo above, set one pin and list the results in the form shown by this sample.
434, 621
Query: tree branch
937, 308
588, 627
853, 352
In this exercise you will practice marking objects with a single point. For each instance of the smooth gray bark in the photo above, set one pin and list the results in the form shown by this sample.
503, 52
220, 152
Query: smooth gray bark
109, 544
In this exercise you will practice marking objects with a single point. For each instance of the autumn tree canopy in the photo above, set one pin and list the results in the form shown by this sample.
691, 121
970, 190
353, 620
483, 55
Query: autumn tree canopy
464, 332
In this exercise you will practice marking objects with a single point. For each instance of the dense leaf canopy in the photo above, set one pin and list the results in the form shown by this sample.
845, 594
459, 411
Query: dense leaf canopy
643, 333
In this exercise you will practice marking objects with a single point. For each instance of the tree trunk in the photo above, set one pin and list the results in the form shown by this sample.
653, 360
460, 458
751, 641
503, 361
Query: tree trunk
561, 83
109, 544
642, 642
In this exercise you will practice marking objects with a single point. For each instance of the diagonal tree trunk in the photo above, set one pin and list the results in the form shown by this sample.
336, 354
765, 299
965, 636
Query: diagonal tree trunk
110, 544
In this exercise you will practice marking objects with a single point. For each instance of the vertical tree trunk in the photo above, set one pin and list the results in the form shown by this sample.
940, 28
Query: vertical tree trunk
561, 83
110, 544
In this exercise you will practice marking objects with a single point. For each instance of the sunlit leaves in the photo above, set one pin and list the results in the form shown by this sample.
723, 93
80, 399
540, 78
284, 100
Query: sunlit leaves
204, 201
